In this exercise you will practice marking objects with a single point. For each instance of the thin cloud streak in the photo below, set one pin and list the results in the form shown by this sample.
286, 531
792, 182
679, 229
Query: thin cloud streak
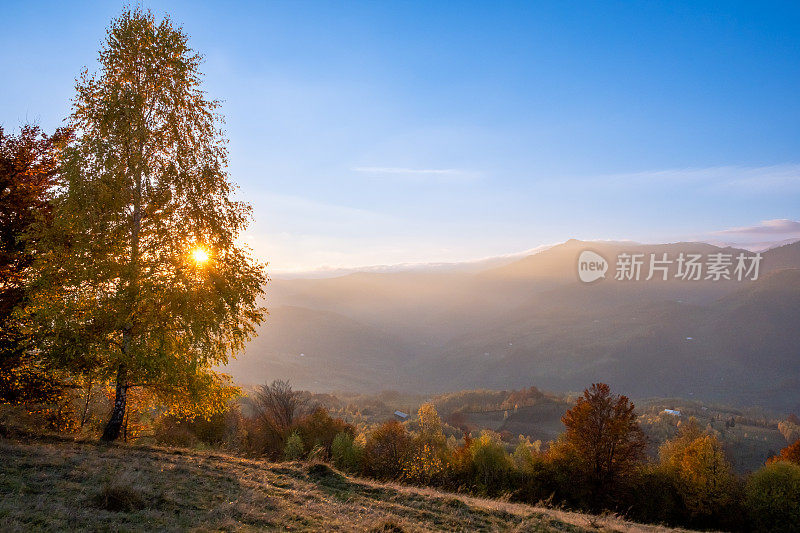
400, 170
756, 238
766, 179
778, 226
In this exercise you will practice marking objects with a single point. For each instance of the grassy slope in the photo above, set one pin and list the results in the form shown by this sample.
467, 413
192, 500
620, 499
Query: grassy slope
70, 486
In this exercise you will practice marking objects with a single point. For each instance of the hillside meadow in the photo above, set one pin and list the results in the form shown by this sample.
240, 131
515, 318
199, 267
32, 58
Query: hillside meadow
56, 484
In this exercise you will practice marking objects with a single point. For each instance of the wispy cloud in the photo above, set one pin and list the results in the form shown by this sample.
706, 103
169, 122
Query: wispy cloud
421, 175
758, 237
778, 226
765, 179
411, 171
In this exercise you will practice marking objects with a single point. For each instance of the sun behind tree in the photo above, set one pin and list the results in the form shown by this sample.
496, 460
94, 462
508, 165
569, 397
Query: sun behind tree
146, 177
200, 255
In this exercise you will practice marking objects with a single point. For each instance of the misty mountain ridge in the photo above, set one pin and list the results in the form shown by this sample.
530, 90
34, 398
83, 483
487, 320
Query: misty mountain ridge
530, 321
476, 265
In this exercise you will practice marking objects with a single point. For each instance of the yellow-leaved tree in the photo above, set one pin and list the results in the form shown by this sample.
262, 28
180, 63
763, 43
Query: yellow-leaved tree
430, 424
704, 475
139, 277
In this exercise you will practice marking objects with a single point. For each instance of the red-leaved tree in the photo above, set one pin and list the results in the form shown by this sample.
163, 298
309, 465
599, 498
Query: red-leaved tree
28, 173
603, 440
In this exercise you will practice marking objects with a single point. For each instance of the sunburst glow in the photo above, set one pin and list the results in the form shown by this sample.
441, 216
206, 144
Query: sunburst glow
200, 255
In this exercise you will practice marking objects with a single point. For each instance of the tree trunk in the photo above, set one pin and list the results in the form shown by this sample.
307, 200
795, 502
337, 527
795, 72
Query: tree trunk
114, 425
86, 404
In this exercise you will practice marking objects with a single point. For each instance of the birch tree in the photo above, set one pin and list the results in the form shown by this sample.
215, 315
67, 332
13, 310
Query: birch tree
140, 275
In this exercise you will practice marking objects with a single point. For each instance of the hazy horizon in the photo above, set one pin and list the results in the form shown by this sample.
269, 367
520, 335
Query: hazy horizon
477, 262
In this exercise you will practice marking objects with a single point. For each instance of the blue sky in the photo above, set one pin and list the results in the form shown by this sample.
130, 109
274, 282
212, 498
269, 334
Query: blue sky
388, 132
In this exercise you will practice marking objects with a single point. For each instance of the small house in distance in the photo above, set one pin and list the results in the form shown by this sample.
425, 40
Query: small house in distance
675, 412
401, 415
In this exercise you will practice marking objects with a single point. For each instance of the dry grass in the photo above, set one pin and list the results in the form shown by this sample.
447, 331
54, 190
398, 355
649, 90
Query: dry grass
56, 486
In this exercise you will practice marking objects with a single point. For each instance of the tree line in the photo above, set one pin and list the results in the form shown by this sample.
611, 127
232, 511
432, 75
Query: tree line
598, 464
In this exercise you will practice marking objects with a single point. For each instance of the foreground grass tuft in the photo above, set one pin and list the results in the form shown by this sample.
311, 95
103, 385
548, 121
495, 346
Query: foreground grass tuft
387, 526
118, 499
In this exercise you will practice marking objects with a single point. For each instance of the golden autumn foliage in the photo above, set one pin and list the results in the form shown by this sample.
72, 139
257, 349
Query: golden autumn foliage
703, 473
790, 454
115, 288
426, 465
430, 424
387, 449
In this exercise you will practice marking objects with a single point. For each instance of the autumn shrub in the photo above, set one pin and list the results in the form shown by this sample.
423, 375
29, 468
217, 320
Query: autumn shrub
790, 454
491, 463
275, 409
526, 453
346, 454
430, 459
773, 497
171, 431
30, 171
460, 473
709, 490
568, 477
427, 465
387, 449
212, 430
259, 439
535, 477
319, 429
294, 448
656, 497
223, 429
430, 426
26, 381
21, 420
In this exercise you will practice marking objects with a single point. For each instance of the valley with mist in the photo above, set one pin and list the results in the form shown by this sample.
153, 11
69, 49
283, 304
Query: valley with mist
530, 321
